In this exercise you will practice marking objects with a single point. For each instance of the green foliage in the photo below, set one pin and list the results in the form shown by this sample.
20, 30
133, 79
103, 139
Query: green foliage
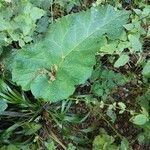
111, 112
65, 120
112, 108
18, 118
13, 97
3, 105
68, 4
104, 142
138, 28
46, 4
146, 69
140, 119
124, 144
18, 22
24, 121
50, 145
55, 63
121, 61
71, 147
107, 142
143, 118
104, 81
136, 31
144, 136
50, 61
144, 102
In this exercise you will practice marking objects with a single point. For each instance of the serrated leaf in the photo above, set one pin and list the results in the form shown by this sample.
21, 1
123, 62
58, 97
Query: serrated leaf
121, 61
52, 67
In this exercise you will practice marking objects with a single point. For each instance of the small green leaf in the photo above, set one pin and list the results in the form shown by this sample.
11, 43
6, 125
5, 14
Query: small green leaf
71, 147
146, 11
137, 11
27, 39
111, 114
36, 13
97, 89
135, 43
140, 119
124, 144
24, 23
141, 139
31, 128
129, 26
122, 46
146, 69
21, 43
104, 142
102, 104
3, 24
109, 48
122, 107
42, 24
122, 60
50, 145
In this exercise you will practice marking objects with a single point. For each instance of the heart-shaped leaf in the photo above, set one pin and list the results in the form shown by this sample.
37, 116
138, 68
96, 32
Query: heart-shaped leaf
53, 67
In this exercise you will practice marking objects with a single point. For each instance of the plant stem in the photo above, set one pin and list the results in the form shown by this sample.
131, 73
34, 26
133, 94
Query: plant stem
52, 19
118, 134
55, 138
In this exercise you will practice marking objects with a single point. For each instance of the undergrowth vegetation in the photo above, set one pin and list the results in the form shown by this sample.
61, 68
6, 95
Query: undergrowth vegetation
74, 74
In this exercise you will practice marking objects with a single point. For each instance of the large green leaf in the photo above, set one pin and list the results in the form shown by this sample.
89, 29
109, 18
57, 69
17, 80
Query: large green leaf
52, 67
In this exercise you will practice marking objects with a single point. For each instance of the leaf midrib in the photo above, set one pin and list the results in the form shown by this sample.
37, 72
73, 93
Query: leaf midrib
99, 28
